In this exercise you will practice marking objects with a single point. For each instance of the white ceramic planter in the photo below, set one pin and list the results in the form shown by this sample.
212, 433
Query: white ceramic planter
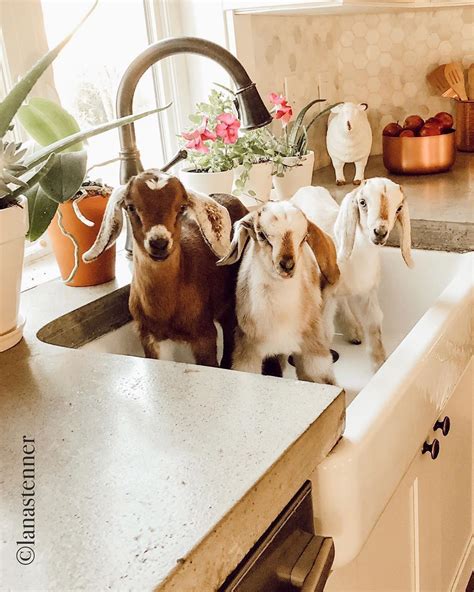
259, 181
298, 174
13, 227
207, 182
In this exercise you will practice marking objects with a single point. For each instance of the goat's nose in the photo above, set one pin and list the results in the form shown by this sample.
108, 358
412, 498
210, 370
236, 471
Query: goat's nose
287, 263
349, 126
158, 244
380, 232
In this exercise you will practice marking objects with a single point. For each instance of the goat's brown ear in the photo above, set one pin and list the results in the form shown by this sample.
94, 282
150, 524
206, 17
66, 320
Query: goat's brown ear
212, 219
243, 230
324, 250
404, 228
111, 226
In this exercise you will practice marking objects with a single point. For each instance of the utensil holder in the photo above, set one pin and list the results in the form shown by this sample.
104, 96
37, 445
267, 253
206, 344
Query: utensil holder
465, 126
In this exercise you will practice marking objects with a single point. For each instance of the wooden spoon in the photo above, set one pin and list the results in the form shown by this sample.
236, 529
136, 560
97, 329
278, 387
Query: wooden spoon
455, 76
470, 82
438, 81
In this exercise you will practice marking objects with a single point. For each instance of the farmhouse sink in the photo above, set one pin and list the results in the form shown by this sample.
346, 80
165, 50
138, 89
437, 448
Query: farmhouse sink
426, 332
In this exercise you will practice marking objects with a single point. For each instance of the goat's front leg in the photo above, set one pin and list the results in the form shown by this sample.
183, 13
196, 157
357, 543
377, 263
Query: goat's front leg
314, 363
228, 323
247, 357
360, 170
349, 323
339, 170
372, 314
204, 347
151, 345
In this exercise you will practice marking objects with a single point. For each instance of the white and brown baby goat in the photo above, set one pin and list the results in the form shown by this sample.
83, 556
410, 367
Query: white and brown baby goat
360, 226
286, 262
177, 292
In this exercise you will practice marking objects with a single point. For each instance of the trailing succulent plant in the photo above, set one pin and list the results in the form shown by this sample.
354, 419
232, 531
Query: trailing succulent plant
53, 172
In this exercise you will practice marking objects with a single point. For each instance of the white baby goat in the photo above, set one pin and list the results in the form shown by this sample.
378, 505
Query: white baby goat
360, 226
287, 263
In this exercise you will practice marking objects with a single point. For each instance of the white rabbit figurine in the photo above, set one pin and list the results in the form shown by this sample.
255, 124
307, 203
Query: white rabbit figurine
349, 139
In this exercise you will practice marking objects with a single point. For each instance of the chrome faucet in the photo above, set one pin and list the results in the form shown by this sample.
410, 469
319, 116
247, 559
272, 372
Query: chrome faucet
252, 112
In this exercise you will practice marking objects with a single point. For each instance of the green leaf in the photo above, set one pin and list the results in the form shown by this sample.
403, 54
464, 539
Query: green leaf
41, 211
295, 128
61, 145
12, 102
47, 122
37, 176
66, 176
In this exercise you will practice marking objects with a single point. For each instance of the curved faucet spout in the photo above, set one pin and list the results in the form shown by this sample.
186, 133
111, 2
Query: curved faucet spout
252, 111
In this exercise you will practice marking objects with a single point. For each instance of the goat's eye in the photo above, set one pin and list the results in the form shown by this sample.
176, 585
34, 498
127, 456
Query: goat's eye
182, 209
262, 236
363, 203
399, 209
131, 208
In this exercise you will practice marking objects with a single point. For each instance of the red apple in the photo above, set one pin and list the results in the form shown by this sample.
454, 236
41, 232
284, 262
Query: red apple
430, 129
446, 119
392, 129
407, 133
413, 122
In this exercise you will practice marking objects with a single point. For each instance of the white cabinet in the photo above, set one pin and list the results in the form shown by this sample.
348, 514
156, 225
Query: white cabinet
420, 540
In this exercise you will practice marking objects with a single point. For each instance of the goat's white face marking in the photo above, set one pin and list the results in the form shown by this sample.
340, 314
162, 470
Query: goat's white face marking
157, 184
281, 229
379, 201
158, 242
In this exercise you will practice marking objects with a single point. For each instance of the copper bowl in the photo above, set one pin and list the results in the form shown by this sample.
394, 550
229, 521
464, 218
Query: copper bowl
419, 156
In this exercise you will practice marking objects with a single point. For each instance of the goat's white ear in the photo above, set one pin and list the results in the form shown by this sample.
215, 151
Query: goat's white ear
324, 250
111, 226
212, 219
243, 229
346, 225
404, 230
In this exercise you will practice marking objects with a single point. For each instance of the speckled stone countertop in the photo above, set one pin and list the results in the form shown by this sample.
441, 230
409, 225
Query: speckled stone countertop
441, 206
148, 475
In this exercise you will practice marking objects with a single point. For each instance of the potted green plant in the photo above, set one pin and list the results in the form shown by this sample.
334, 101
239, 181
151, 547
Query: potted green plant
71, 232
209, 143
33, 180
294, 163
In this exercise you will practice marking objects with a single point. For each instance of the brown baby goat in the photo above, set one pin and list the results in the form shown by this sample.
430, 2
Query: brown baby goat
177, 291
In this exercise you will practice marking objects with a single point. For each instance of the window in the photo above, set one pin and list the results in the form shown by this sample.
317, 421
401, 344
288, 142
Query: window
88, 71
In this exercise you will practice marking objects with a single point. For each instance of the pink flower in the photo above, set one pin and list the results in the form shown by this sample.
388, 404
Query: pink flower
197, 137
283, 111
228, 128
276, 99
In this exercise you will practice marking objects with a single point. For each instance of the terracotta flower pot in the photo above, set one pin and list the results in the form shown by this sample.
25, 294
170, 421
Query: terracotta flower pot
88, 274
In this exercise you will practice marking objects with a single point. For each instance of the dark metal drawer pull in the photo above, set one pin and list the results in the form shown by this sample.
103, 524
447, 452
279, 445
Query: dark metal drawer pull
444, 425
432, 448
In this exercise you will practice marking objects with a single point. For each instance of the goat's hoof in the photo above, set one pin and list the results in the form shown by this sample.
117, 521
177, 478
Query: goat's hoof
356, 182
339, 182
335, 356
355, 341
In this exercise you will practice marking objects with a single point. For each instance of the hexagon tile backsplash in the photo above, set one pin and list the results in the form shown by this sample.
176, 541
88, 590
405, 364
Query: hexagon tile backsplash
381, 59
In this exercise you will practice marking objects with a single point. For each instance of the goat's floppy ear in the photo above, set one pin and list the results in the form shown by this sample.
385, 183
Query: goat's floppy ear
111, 226
324, 250
212, 219
404, 230
346, 224
243, 230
